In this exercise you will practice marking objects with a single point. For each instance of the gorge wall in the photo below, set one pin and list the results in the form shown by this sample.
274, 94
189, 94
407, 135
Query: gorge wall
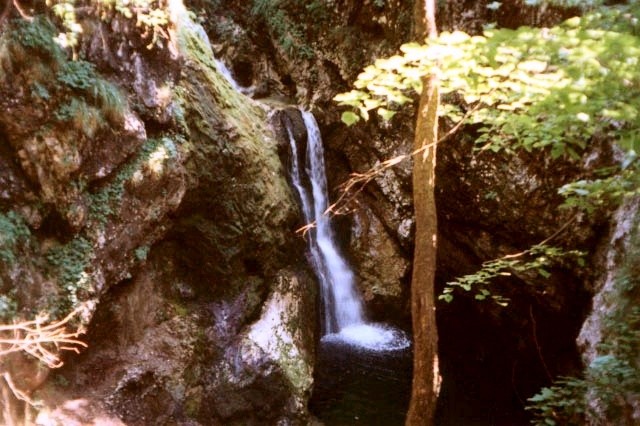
158, 203
146, 192
488, 205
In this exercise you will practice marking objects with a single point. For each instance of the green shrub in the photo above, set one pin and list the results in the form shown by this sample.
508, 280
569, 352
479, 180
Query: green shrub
13, 231
606, 382
600, 395
79, 75
70, 262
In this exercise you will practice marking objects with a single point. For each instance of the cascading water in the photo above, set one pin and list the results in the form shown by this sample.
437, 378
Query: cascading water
226, 72
343, 313
372, 361
342, 307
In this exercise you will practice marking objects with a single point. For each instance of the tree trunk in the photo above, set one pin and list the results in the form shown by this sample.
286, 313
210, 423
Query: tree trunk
426, 377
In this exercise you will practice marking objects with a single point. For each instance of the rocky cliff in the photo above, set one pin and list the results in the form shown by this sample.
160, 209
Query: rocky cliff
488, 205
139, 187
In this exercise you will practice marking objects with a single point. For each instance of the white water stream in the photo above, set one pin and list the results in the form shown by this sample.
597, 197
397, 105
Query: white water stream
226, 72
343, 313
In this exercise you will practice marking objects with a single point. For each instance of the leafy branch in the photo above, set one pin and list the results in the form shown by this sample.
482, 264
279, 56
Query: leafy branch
539, 258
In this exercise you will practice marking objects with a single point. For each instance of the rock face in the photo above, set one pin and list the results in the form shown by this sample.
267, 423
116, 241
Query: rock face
606, 337
167, 349
266, 374
488, 205
141, 187
310, 55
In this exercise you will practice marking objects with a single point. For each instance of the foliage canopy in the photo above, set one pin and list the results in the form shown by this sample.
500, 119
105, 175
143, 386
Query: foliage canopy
531, 88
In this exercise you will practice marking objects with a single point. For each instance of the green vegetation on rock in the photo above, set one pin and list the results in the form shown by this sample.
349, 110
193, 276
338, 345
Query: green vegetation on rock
600, 395
104, 201
13, 231
282, 19
70, 262
73, 89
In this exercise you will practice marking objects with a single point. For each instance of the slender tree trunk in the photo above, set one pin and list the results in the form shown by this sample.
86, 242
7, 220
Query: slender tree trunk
426, 377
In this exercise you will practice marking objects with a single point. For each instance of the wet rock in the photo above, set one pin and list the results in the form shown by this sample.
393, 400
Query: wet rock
381, 266
266, 375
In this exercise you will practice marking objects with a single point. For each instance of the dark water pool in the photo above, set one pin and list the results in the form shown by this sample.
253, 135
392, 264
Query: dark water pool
356, 386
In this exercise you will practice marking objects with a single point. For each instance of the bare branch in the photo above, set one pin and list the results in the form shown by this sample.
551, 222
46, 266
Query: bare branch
21, 11
543, 242
357, 181
41, 339
21, 395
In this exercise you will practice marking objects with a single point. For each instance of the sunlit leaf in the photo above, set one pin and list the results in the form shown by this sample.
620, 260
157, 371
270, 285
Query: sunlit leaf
349, 118
386, 114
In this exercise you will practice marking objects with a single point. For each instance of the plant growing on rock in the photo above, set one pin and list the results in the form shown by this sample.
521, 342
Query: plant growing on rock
602, 392
150, 15
290, 32
13, 231
75, 92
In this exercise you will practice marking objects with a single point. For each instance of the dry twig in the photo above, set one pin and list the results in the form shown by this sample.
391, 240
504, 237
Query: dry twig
358, 181
41, 339
44, 341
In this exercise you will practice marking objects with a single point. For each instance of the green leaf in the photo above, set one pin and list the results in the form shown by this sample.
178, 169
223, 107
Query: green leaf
386, 114
349, 118
544, 273
446, 297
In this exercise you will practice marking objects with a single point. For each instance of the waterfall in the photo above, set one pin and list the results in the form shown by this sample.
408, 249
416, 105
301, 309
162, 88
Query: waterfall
343, 314
226, 73
343, 318
341, 305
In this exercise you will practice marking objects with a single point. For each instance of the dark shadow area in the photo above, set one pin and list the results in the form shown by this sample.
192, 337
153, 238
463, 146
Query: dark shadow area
493, 358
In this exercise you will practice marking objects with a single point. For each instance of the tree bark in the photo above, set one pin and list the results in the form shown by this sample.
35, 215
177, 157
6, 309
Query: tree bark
426, 377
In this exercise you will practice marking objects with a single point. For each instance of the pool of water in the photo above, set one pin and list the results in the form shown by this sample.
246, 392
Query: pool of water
360, 386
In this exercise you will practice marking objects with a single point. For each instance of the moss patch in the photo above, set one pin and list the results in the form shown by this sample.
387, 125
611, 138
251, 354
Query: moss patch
13, 232
70, 262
